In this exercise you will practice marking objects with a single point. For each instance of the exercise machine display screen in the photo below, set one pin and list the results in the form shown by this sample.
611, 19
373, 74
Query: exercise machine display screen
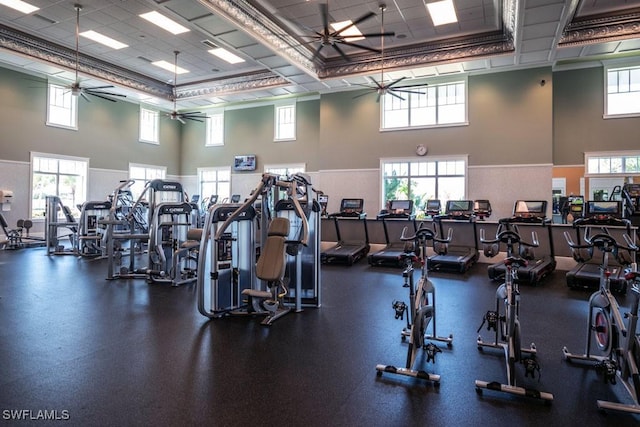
405, 206
611, 208
351, 205
459, 207
433, 205
530, 208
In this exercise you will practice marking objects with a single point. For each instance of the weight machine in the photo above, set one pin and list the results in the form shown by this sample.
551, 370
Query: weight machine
228, 248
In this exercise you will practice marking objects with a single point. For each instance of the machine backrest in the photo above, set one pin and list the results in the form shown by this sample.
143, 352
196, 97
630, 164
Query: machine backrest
272, 262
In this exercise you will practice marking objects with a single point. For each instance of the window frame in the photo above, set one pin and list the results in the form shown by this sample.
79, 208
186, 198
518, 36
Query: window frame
217, 170
72, 123
147, 168
604, 155
278, 124
408, 161
214, 135
611, 67
84, 188
431, 85
145, 121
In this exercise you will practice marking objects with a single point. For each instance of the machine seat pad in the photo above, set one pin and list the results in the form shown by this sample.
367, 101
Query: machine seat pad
256, 293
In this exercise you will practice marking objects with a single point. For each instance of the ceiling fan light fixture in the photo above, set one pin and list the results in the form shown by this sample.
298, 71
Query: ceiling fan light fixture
442, 12
163, 22
20, 6
104, 40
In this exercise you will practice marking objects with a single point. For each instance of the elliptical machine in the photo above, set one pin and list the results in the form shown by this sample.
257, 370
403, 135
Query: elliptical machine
422, 306
617, 343
504, 322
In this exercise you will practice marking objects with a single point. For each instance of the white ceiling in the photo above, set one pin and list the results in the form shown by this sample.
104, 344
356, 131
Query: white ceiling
270, 35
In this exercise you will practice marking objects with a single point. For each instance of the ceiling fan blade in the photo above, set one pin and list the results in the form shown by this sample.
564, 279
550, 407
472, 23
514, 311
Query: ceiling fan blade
97, 95
390, 92
359, 46
379, 85
378, 98
385, 34
363, 94
178, 118
344, 56
91, 91
195, 119
101, 87
85, 97
316, 54
357, 21
408, 91
395, 82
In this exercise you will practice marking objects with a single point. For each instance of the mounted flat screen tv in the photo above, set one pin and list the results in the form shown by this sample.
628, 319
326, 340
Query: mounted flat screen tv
244, 163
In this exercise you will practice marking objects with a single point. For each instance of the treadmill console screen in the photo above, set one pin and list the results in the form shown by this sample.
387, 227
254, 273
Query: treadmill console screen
529, 208
459, 207
351, 205
602, 208
433, 205
401, 206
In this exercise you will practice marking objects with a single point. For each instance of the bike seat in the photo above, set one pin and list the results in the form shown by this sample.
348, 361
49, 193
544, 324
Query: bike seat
515, 261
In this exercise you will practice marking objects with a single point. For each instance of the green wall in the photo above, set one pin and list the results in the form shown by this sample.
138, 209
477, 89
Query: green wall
250, 131
107, 131
513, 120
578, 123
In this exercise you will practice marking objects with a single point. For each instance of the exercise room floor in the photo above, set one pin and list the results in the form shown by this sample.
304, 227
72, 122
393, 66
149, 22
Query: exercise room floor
127, 353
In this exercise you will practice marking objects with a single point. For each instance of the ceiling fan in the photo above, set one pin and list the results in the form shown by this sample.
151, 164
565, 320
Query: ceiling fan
336, 38
196, 116
75, 87
381, 88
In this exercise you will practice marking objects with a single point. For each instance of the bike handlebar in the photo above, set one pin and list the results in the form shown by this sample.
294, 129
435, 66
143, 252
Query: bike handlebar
510, 238
424, 233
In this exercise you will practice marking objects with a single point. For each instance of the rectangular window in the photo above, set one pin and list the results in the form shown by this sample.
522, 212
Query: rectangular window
442, 179
149, 126
432, 105
215, 130
622, 92
62, 176
285, 126
214, 182
62, 107
143, 174
624, 163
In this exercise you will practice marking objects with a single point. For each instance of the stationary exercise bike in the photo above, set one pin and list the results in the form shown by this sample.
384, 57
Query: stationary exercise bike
617, 343
504, 321
422, 306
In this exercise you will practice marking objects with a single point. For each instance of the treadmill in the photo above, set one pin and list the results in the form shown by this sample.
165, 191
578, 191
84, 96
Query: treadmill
351, 232
394, 220
462, 251
605, 216
529, 215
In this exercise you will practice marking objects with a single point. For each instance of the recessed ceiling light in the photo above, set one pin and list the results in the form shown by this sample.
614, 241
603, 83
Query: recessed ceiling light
351, 34
102, 39
442, 12
226, 55
170, 67
19, 5
164, 22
